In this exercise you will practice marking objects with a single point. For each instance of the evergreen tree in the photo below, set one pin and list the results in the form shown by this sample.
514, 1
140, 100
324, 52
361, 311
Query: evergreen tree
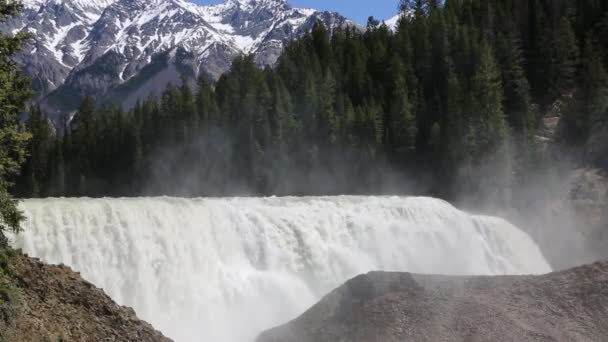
451, 94
592, 95
487, 105
206, 104
284, 125
454, 148
321, 46
83, 143
14, 93
563, 54
490, 150
328, 121
517, 101
58, 174
188, 120
39, 151
401, 119
602, 35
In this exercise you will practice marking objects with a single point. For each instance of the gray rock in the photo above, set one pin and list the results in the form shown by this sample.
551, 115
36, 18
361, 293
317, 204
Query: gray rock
384, 307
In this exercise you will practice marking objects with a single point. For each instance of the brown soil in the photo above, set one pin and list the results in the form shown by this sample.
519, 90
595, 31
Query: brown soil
39, 302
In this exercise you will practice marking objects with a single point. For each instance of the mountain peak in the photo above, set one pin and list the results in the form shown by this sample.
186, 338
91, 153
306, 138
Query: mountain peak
256, 3
251, 5
102, 47
95, 4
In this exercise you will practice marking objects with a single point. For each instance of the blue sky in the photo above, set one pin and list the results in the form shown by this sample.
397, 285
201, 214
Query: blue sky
357, 10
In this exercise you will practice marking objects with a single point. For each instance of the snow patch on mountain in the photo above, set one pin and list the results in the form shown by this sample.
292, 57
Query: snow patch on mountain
90, 4
393, 22
84, 47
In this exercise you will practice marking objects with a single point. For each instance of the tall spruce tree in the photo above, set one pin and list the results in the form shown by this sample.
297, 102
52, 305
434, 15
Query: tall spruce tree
14, 93
592, 97
487, 99
563, 58
36, 169
401, 123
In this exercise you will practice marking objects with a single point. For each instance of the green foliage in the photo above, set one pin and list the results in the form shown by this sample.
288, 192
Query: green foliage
8, 293
455, 93
14, 92
592, 95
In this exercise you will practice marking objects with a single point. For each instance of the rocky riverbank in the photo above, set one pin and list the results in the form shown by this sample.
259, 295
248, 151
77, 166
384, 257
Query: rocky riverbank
564, 306
39, 302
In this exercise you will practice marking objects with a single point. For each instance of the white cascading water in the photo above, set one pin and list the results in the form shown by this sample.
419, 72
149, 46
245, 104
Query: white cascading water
226, 269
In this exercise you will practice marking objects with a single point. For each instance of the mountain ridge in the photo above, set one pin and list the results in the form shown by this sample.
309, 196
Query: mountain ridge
83, 47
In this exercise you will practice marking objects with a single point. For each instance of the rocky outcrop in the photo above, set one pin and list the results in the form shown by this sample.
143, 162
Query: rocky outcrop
588, 204
39, 302
569, 221
564, 306
564, 203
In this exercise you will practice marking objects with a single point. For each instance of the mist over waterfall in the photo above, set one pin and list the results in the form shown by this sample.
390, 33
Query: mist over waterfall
226, 269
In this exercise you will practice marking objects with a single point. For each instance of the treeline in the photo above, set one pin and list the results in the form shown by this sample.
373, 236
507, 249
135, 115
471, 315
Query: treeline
453, 96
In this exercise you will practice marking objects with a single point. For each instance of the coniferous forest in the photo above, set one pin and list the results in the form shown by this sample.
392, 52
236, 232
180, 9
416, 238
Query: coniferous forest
449, 102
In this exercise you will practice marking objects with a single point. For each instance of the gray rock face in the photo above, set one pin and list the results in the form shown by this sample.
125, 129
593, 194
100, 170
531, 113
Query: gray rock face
91, 47
384, 307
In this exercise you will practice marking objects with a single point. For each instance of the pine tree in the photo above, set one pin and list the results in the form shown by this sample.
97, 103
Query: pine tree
563, 59
328, 121
592, 95
539, 42
58, 175
285, 127
454, 148
518, 102
14, 93
69, 157
187, 117
602, 36
490, 149
84, 128
486, 93
401, 119
321, 46
36, 170
206, 104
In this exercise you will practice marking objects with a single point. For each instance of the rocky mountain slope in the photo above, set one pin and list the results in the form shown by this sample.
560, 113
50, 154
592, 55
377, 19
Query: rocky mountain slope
129, 48
564, 306
39, 302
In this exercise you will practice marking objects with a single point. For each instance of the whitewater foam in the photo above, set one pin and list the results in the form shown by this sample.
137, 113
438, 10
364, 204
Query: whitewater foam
226, 269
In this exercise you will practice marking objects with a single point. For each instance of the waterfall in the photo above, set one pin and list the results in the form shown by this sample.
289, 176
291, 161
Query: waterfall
226, 269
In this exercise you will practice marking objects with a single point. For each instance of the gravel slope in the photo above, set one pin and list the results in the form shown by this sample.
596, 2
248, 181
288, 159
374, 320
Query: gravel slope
565, 306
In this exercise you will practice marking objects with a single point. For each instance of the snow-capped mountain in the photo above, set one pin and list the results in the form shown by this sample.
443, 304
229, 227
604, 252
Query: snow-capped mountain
393, 22
125, 49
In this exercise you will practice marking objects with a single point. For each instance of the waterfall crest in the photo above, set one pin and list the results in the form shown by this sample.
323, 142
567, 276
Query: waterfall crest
226, 269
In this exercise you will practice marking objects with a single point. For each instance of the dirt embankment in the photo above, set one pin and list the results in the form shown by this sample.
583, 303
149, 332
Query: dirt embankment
39, 302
